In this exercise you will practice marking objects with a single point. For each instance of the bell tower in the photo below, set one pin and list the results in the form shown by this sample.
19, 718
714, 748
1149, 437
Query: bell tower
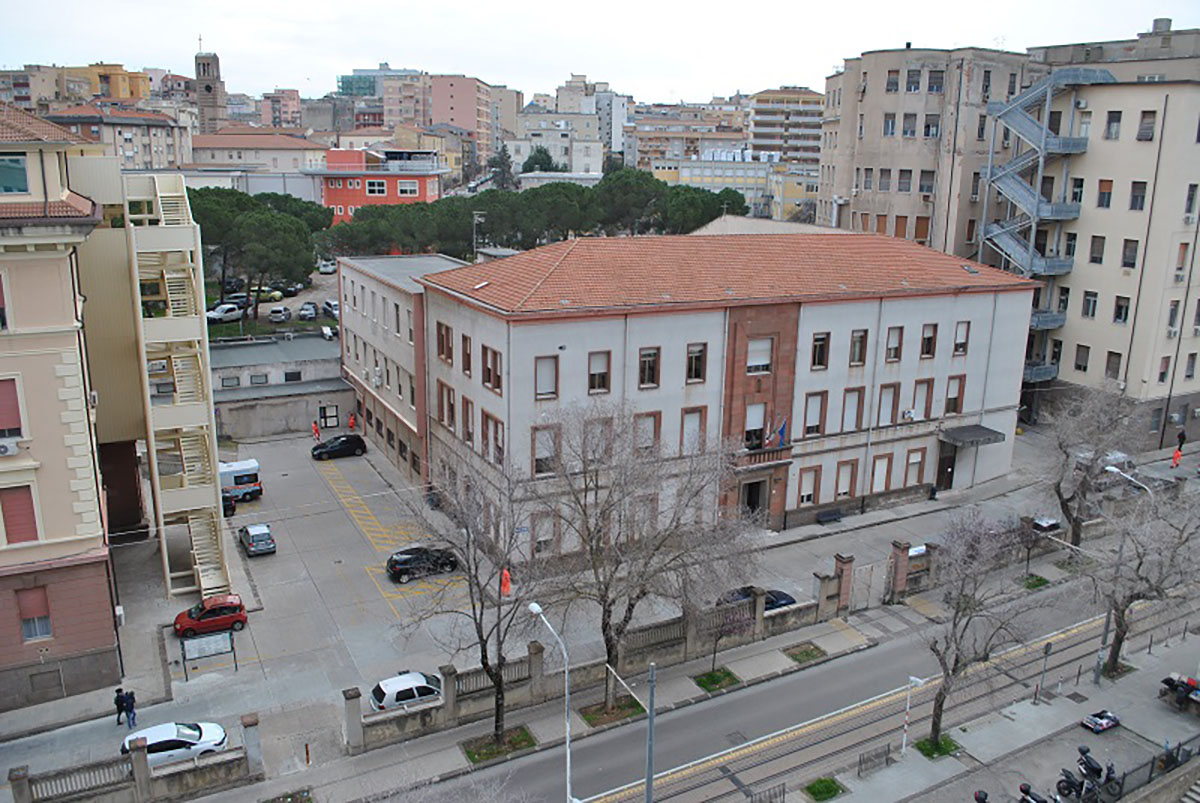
210, 93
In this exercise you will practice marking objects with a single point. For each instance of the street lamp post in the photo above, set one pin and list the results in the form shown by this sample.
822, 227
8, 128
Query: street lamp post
1120, 557
907, 708
537, 611
475, 218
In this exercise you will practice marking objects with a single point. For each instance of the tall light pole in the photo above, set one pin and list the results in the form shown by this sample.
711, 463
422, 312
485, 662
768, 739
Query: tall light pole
907, 708
1120, 557
537, 611
475, 218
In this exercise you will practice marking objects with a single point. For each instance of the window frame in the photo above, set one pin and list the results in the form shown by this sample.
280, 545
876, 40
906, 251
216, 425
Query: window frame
702, 411
816, 486
895, 387
654, 352
861, 392
556, 432
866, 339
930, 339
691, 377
965, 343
539, 395
822, 398
960, 400
607, 373
655, 447
888, 356
821, 341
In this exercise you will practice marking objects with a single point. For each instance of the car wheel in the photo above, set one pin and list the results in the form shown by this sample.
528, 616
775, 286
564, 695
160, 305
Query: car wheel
403, 577
238, 625
188, 633
358, 451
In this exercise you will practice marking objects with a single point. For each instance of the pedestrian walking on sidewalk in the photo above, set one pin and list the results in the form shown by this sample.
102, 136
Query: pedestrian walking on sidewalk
130, 710
1175, 458
352, 422
119, 702
316, 431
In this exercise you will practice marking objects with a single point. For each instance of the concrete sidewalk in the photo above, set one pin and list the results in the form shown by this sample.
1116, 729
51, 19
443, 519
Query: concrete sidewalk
1029, 743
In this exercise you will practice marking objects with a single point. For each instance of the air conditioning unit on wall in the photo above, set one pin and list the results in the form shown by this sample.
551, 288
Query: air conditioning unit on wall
9, 447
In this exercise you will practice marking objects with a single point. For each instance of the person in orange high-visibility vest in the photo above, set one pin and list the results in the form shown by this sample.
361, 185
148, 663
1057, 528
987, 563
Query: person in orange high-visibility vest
316, 431
1175, 458
352, 422
505, 583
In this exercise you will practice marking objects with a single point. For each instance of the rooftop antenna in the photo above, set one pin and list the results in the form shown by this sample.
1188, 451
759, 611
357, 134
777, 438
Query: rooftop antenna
200, 43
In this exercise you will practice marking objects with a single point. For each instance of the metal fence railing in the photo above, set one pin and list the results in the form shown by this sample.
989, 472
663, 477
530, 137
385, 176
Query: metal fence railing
85, 778
1162, 763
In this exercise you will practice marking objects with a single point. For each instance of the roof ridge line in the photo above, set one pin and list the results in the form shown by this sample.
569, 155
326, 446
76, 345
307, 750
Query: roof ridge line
542, 280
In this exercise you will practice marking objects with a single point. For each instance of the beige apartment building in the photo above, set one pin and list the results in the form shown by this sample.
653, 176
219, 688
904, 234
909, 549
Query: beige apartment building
280, 108
35, 85
905, 138
572, 139
660, 132
1098, 198
141, 140
465, 102
407, 98
787, 121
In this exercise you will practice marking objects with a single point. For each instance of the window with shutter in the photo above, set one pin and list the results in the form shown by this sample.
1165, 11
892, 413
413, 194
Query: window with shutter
756, 415
852, 410
814, 414
34, 609
598, 372
20, 522
693, 432
545, 377
758, 356
10, 409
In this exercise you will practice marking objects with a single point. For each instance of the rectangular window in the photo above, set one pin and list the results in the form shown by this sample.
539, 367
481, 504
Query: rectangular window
1056, 347
901, 230
546, 444
1112, 126
545, 378
893, 81
881, 473
410, 325
648, 368
1089, 304
258, 379
921, 229
1164, 370
445, 342
1055, 124
1173, 314
466, 355
962, 336
291, 376
1146, 126
756, 416
758, 356
376, 187
1181, 257
1104, 193
847, 475
986, 88
814, 413
954, 394
33, 608
1076, 190
691, 434
810, 482
1082, 353
889, 128
598, 372
468, 421
20, 521
1129, 253
885, 181
1096, 252
909, 127
858, 347
895, 340
1190, 370
820, 351
445, 406
889, 404
14, 179
913, 81
928, 340
926, 181
852, 409
914, 468
492, 364
905, 182
933, 126
1012, 84
922, 408
1189, 203
1069, 246
647, 432
936, 82
981, 127
1121, 310
860, 126
1112, 365
697, 362
1085, 124
407, 188
1137, 196
10, 409
868, 178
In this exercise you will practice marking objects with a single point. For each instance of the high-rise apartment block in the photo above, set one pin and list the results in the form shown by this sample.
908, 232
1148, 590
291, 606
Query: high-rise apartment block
465, 102
506, 105
141, 140
659, 132
210, 93
787, 121
407, 98
280, 109
905, 138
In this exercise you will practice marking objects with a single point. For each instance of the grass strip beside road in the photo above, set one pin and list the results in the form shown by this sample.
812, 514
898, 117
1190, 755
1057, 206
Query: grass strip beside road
485, 748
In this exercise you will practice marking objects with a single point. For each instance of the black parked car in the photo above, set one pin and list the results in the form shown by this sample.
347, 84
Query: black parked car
340, 446
773, 601
418, 561
228, 503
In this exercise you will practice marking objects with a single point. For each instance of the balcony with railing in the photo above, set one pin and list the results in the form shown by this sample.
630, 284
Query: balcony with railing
1043, 319
749, 458
1040, 371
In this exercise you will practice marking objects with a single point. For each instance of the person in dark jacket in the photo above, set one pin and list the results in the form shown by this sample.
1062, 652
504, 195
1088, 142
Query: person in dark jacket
130, 710
119, 702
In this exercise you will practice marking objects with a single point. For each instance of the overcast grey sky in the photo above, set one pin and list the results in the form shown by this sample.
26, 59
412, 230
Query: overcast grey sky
656, 51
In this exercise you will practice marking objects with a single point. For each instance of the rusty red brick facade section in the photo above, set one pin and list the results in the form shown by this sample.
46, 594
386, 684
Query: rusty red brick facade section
80, 613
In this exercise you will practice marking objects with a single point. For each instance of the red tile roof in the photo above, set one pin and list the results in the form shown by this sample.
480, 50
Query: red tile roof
18, 125
719, 270
72, 206
262, 141
91, 111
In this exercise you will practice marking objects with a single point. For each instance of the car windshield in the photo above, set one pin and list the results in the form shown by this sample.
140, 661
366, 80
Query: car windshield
434, 681
378, 694
260, 537
188, 730
195, 611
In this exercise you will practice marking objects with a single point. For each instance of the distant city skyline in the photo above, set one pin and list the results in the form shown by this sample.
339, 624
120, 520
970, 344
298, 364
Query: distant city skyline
654, 55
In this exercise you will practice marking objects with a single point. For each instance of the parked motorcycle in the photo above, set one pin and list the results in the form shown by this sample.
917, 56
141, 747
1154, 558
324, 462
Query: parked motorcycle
1068, 785
1030, 796
1089, 768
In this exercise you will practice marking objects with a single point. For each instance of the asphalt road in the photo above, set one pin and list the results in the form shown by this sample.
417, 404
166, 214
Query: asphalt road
616, 757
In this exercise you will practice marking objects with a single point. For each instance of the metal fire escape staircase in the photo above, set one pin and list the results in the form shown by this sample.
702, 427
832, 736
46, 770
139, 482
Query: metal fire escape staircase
181, 431
1040, 153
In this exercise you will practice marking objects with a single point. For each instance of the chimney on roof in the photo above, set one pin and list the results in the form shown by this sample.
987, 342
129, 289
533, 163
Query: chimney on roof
1161, 25
908, 45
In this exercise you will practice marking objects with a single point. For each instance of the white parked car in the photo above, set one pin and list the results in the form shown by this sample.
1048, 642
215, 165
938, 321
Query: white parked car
331, 308
176, 741
225, 313
406, 689
327, 266
279, 315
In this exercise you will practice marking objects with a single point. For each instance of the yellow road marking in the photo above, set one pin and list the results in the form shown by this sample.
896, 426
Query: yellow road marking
383, 538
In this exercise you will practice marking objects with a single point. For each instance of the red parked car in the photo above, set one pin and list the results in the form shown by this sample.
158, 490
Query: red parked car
219, 612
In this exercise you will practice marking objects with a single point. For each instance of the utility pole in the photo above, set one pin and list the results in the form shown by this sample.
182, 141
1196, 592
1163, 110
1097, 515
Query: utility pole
650, 741
476, 216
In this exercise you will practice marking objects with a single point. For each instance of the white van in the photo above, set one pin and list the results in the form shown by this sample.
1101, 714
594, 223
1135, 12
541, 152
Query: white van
240, 480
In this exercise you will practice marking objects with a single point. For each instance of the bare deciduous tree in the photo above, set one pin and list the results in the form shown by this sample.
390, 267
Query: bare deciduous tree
641, 514
1154, 554
1088, 427
977, 623
476, 513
